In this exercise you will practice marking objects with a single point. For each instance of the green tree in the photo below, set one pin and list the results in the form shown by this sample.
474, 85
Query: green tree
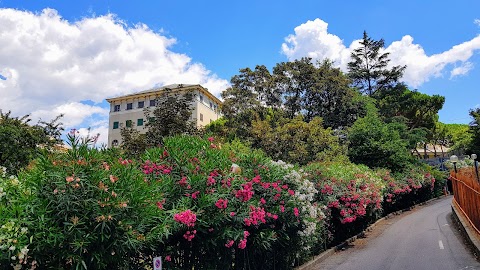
294, 79
420, 110
171, 116
458, 137
378, 144
474, 130
20, 141
134, 143
296, 141
332, 99
368, 68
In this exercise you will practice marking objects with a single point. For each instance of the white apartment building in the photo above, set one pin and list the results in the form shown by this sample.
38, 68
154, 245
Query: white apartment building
128, 111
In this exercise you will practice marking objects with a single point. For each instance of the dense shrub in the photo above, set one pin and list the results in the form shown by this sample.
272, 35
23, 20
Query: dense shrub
90, 209
245, 210
195, 202
351, 194
412, 186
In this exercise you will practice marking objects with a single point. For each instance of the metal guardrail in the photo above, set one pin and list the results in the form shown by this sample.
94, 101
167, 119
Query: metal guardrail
466, 190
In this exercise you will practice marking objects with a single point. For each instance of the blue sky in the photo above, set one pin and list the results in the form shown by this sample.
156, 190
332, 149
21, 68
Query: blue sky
67, 57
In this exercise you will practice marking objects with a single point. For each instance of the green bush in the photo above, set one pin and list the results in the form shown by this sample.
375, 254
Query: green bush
195, 202
90, 209
351, 194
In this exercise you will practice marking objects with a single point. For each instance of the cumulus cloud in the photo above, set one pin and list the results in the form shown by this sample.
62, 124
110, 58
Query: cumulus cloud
50, 65
312, 39
477, 22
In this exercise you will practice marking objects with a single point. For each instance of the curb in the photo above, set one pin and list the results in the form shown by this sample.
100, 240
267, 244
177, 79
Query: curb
329, 252
466, 229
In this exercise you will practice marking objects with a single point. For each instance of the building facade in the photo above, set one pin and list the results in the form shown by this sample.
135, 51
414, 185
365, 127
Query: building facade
128, 110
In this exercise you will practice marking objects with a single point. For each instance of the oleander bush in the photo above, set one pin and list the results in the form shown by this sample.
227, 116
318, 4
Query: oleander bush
351, 194
197, 203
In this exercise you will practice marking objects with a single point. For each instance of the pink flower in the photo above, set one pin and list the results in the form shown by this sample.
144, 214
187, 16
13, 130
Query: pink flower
242, 244
256, 179
211, 139
262, 201
295, 211
291, 192
257, 215
221, 203
232, 214
113, 178
183, 181
210, 230
275, 216
246, 234
160, 204
105, 166
282, 208
211, 181
187, 217
189, 235
245, 193
229, 243
168, 258
195, 194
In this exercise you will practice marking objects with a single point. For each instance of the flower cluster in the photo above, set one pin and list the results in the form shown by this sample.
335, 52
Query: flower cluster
153, 168
221, 203
256, 216
187, 217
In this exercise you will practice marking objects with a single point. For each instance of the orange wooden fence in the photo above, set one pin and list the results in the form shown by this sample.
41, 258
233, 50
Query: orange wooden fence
466, 190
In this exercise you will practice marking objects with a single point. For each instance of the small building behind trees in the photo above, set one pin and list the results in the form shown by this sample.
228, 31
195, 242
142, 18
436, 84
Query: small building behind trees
134, 110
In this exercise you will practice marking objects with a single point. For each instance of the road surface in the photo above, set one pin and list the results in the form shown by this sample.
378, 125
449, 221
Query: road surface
422, 239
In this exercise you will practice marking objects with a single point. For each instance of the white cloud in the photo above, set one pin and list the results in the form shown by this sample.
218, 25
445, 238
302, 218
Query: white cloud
51, 64
313, 40
477, 22
75, 113
463, 69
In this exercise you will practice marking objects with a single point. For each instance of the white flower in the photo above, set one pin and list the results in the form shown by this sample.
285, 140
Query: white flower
12, 248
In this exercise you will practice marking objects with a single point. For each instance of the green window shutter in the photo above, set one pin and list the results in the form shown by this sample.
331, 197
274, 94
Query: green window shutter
115, 125
129, 123
140, 122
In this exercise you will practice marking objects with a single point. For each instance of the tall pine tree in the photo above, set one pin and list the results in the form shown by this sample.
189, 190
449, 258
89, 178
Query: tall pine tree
368, 68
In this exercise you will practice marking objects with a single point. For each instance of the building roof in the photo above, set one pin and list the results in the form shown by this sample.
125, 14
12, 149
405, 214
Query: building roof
431, 149
175, 87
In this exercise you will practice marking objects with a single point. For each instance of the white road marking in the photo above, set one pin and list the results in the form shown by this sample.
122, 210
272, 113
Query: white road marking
440, 244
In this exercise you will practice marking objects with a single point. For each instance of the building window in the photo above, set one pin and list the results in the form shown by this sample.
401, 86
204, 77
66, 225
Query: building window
201, 117
128, 123
115, 125
116, 108
211, 105
114, 143
201, 98
151, 120
152, 102
140, 122
141, 104
129, 106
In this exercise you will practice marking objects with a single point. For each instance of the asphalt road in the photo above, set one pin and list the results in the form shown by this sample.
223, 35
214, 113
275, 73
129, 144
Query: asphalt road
424, 238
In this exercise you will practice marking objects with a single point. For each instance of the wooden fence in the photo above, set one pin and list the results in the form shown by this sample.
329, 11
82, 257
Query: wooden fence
466, 189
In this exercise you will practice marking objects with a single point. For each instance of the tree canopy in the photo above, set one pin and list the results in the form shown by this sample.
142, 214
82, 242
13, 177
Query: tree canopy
368, 68
20, 141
